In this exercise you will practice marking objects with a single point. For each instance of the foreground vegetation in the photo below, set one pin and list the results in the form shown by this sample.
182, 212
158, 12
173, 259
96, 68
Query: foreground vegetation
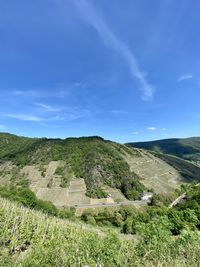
184, 216
27, 198
30, 238
160, 237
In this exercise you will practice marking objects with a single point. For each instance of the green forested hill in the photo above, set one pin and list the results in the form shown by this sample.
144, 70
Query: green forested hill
76, 170
98, 161
186, 148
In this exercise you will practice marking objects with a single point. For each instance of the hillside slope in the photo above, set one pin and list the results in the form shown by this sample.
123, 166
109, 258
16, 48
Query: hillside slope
186, 148
188, 169
83, 170
31, 238
54, 163
155, 172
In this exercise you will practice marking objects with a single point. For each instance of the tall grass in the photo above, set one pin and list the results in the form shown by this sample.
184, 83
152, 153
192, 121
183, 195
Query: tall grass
31, 238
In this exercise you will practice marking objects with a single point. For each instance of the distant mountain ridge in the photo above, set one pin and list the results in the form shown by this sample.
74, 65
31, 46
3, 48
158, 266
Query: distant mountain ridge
186, 148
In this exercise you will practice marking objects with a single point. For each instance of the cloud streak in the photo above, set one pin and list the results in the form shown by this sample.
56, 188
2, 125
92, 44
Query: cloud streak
24, 117
151, 128
91, 16
32, 118
47, 108
69, 115
185, 77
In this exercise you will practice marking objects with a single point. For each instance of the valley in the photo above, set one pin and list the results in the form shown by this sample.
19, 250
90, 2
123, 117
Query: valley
93, 202
87, 172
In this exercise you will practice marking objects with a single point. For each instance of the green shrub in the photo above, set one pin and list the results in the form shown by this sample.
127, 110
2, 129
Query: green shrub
27, 198
59, 170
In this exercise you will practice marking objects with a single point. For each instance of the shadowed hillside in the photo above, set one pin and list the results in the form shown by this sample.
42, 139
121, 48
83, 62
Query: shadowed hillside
186, 148
187, 169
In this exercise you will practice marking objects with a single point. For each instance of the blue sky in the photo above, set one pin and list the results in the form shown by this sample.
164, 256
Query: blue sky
124, 70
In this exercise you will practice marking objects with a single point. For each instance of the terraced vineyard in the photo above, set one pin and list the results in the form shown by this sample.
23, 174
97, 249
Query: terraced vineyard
86, 170
155, 173
185, 148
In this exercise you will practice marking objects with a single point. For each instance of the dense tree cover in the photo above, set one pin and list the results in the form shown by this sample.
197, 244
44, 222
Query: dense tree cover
27, 198
64, 172
98, 161
18, 149
184, 216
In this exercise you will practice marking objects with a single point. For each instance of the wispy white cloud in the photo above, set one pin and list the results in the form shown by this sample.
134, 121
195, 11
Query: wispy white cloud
164, 129
55, 118
75, 113
47, 107
27, 93
20, 92
91, 16
185, 77
39, 93
151, 128
23, 117
69, 114
136, 133
33, 118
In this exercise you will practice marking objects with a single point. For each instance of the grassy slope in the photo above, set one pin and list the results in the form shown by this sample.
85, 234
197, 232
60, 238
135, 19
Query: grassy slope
33, 239
186, 148
30, 238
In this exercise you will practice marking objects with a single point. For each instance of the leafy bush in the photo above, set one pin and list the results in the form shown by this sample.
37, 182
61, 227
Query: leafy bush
59, 170
27, 198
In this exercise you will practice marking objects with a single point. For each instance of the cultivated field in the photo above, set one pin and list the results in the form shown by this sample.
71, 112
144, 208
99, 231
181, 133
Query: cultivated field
155, 173
46, 182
